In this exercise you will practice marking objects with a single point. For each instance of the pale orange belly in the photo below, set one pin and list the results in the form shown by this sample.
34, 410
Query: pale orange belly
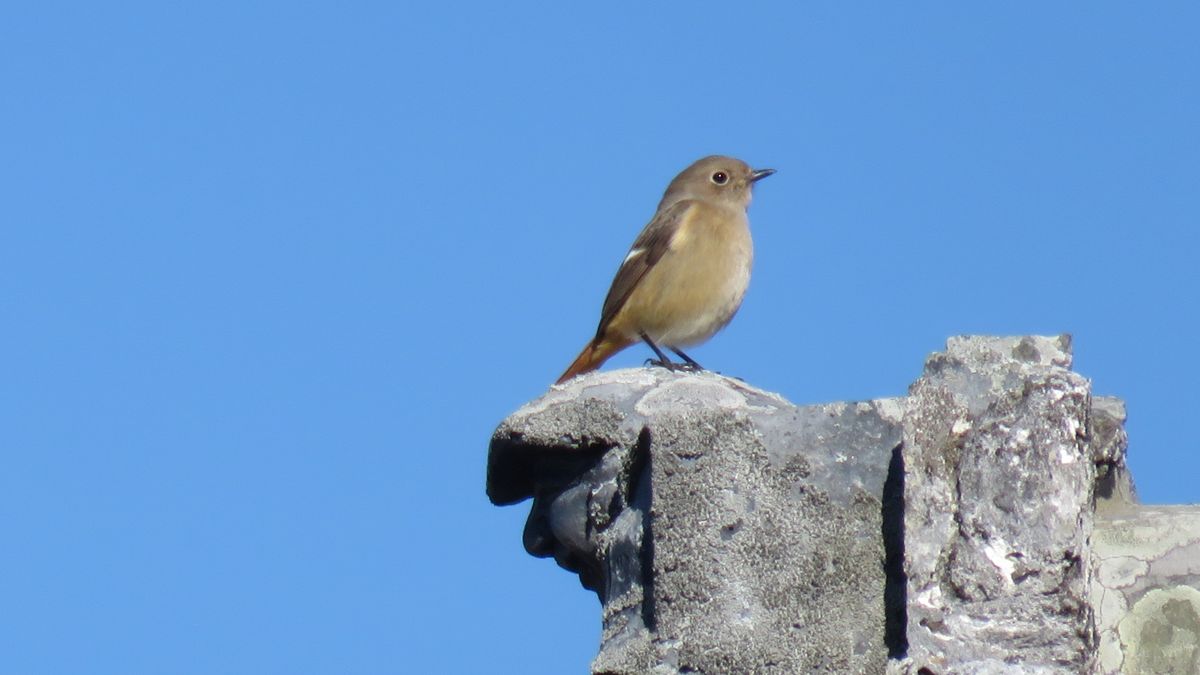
692, 292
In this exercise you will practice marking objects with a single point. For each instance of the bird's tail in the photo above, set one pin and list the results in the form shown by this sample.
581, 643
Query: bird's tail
593, 356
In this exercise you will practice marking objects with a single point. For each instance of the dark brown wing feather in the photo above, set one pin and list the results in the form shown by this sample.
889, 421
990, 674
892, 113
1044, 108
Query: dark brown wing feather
654, 240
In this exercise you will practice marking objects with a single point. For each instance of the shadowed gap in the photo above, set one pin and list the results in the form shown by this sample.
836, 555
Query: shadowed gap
895, 591
639, 498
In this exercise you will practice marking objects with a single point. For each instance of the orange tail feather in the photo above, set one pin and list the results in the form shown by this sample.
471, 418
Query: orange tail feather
593, 356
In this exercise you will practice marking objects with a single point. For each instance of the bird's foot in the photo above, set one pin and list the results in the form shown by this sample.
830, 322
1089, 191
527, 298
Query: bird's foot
675, 367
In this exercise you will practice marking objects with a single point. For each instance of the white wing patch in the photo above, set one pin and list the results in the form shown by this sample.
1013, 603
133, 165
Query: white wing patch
633, 254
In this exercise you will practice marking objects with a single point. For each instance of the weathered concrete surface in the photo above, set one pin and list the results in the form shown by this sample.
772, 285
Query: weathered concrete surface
724, 529
1146, 588
998, 509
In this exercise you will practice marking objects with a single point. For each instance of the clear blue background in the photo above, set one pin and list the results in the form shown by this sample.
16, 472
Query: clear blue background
270, 274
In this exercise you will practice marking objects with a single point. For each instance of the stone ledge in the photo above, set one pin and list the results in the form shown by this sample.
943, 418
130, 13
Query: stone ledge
985, 523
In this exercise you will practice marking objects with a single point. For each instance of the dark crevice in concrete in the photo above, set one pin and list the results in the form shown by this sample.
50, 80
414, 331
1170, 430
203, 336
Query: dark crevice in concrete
639, 498
514, 462
895, 592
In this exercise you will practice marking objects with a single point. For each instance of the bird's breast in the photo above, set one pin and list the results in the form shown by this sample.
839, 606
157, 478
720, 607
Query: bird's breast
700, 282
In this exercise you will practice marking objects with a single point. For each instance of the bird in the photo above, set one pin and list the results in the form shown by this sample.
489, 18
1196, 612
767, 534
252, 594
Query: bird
686, 274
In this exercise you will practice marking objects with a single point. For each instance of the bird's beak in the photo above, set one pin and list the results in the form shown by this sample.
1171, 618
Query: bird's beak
760, 174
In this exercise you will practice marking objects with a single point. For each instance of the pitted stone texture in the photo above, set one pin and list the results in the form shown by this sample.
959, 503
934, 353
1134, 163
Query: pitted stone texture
780, 574
724, 529
998, 509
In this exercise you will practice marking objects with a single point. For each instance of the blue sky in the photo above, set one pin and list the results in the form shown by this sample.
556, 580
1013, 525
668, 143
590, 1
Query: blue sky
271, 273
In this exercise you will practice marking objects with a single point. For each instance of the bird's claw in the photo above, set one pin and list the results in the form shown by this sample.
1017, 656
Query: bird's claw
674, 367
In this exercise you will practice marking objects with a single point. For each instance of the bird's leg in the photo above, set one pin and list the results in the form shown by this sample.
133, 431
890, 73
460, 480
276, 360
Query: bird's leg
662, 360
691, 363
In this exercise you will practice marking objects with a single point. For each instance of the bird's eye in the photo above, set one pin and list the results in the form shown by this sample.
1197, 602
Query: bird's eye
720, 178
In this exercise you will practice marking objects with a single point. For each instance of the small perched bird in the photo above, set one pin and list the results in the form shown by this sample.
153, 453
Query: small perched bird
686, 273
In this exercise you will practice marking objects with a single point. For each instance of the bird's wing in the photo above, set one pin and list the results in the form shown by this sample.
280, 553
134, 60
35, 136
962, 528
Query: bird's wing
647, 250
